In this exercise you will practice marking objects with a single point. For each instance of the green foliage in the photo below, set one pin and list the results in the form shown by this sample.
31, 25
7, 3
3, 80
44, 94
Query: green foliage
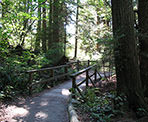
15, 21
94, 24
141, 112
100, 106
11, 82
14, 80
55, 51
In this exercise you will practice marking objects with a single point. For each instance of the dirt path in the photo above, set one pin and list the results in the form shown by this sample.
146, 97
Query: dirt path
49, 106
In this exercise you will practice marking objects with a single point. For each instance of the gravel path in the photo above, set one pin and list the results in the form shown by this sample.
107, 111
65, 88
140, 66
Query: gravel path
49, 106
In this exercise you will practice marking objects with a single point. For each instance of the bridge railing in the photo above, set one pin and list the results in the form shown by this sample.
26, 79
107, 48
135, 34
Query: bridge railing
88, 77
51, 74
78, 65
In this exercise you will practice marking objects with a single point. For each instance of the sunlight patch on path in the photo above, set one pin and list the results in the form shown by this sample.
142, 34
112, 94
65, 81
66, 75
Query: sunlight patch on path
17, 111
44, 103
65, 92
41, 115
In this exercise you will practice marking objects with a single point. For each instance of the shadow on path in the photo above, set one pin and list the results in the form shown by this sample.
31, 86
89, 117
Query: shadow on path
49, 106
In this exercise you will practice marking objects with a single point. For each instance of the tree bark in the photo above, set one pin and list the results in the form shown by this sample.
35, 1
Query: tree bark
50, 29
44, 28
62, 25
23, 35
143, 40
126, 58
38, 39
56, 21
76, 33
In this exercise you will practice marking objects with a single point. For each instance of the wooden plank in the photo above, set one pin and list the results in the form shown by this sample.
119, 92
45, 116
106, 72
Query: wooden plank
73, 86
50, 79
91, 75
82, 71
92, 81
87, 76
79, 91
88, 63
45, 69
99, 74
80, 83
95, 73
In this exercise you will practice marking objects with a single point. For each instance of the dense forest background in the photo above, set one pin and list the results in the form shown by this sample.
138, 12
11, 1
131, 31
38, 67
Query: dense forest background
36, 34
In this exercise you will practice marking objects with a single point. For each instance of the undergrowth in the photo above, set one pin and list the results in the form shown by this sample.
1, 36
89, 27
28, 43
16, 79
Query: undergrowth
13, 67
101, 107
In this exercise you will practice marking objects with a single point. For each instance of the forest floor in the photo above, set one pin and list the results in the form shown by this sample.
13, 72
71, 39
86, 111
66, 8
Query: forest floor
104, 88
47, 106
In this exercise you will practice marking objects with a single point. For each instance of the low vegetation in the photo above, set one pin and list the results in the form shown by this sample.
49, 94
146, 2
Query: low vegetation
102, 104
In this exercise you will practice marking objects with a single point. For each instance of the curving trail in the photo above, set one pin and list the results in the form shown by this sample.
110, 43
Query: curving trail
49, 106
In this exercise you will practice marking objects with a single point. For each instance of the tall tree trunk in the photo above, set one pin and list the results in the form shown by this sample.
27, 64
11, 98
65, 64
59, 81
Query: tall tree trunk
38, 38
143, 39
50, 29
56, 21
65, 40
44, 28
76, 33
23, 35
62, 25
126, 58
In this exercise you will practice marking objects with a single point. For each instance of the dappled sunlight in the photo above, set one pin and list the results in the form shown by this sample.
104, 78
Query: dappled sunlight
65, 92
32, 102
41, 115
44, 103
20, 111
17, 111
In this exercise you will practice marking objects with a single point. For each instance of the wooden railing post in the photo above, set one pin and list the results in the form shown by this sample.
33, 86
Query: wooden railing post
78, 65
87, 76
73, 86
66, 71
30, 82
88, 63
52, 75
95, 73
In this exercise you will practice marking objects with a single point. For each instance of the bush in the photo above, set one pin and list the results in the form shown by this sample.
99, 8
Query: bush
55, 53
100, 107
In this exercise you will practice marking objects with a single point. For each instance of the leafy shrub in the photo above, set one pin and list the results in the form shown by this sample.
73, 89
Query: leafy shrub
101, 108
55, 53
13, 79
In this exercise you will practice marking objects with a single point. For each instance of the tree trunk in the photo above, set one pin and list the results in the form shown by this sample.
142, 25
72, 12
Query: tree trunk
62, 25
38, 39
56, 21
65, 40
44, 47
50, 29
143, 39
23, 35
76, 33
126, 58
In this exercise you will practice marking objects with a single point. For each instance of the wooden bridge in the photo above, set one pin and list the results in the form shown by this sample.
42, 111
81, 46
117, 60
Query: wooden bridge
52, 74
